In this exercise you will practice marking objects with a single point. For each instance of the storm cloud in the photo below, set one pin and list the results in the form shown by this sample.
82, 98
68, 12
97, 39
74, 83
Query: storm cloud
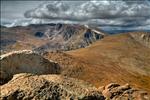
106, 14
101, 13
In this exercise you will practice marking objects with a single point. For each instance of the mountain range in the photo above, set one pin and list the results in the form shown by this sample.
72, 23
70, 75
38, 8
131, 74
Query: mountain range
48, 37
64, 59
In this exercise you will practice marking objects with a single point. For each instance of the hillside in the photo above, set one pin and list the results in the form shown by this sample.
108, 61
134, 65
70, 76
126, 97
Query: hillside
117, 58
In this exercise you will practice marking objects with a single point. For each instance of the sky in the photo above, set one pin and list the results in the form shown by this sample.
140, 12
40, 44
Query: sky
106, 14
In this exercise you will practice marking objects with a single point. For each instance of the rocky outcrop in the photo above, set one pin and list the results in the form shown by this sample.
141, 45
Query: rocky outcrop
25, 61
114, 91
56, 87
48, 87
142, 37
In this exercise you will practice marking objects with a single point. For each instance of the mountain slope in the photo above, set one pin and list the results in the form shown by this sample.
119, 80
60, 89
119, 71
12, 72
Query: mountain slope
44, 37
118, 58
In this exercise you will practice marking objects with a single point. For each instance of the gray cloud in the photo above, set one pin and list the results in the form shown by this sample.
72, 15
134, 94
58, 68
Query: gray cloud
90, 10
108, 14
102, 13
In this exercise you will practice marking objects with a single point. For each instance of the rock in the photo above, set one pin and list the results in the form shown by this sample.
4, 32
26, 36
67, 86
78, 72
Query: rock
25, 61
114, 91
142, 37
107, 89
27, 86
101, 88
107, 93
44, 87
111, 85
93, 95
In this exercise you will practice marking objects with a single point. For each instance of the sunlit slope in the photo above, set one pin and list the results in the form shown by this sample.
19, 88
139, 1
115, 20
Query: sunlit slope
117, 58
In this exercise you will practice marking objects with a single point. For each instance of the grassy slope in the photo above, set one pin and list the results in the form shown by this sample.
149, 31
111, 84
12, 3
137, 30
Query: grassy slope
117, 58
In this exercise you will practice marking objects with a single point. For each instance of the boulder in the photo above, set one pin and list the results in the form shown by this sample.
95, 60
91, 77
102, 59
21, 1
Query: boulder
142, 37
114, 91
25, 61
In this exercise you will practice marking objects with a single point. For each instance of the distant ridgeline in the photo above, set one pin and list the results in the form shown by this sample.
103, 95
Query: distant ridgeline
123, 31
49, 37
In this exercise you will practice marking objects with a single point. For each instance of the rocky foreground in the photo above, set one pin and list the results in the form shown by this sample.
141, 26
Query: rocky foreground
55, 87
26, 75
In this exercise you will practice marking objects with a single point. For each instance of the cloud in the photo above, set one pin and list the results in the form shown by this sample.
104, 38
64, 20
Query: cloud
90, 10
106, 13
